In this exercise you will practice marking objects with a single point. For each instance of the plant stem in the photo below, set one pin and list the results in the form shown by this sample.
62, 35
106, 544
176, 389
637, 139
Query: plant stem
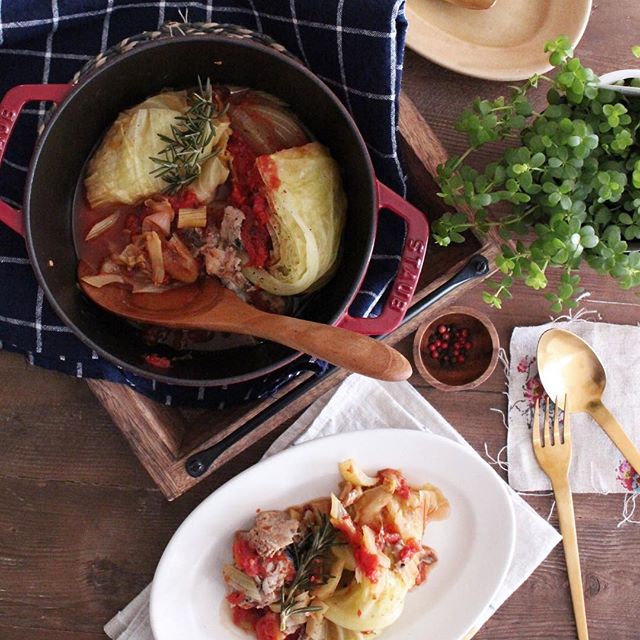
461, 159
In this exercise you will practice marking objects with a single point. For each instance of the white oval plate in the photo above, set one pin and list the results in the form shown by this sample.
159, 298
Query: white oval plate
474, 545
505, 42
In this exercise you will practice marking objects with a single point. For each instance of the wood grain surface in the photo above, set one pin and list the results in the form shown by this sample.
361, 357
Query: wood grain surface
82, 525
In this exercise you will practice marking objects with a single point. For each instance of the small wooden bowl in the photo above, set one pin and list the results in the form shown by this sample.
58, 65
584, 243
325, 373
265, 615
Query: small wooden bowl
479, 362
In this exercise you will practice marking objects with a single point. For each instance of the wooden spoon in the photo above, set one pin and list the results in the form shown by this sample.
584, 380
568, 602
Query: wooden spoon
210, 306
473, 4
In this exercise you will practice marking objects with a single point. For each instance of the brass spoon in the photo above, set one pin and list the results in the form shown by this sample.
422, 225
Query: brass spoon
473, 4
570, 369
210, 306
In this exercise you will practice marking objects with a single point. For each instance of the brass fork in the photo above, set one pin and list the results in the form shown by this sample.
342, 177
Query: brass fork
553, 453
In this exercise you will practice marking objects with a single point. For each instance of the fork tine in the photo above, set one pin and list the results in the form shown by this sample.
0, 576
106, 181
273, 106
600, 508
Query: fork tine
546, 433
556, 422
535, 427
566, 426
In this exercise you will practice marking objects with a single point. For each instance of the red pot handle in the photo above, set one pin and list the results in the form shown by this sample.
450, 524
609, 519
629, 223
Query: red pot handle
411, 260
10, 108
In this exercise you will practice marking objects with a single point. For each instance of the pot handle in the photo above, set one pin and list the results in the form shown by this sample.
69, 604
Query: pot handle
411, 261
10, 108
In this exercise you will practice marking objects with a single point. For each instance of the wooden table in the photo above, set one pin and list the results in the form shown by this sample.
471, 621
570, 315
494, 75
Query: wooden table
82, 526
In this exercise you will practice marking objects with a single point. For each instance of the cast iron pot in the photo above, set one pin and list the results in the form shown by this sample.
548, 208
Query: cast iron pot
84, 111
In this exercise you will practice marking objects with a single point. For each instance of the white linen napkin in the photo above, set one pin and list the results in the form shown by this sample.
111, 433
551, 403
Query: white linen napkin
596, 464
359, 404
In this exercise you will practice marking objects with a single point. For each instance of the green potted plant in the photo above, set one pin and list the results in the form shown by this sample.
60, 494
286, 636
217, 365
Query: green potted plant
571, 181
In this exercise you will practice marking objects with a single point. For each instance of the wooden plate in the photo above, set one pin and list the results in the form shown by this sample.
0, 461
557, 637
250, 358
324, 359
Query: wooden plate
505, 42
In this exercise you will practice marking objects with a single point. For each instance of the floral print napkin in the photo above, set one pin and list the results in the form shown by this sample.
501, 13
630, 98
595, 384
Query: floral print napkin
597, 465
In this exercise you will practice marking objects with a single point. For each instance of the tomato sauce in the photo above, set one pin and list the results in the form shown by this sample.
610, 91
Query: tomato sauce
185, 199
367, 562
113, 240
402, 490
246, 619
268, 627
409, 550
248, 197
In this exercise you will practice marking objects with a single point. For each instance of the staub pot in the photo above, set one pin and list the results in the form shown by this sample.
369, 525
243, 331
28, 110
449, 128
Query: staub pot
85, 110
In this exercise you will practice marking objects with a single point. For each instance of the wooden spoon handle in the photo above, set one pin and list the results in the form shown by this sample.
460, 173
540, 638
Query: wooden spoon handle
616, 433
343, 348
473, 4
564, 502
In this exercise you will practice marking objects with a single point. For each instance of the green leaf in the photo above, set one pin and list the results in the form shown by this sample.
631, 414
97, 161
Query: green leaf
636, 50
589, 242
625, 218
491, 299
565, 79
565, 290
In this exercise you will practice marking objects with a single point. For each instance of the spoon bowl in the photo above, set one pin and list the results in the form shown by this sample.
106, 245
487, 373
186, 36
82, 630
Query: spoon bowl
208, 305
573, 376
569, 368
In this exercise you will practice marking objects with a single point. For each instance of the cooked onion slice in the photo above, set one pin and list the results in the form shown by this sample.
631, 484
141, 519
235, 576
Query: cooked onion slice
192, 218
352, 473
178, 261
328, 588
267, 127
103, 225
103, 279
154, 248
241, 582
160, 218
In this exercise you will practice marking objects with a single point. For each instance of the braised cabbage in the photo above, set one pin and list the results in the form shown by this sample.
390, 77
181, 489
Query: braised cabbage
368, 605
120, 170
308, 204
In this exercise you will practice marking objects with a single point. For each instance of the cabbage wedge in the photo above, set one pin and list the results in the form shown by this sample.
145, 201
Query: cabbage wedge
368, 605
120, 170
308, 205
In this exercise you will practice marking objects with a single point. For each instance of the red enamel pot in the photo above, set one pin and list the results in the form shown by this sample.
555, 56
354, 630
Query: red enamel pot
84, 111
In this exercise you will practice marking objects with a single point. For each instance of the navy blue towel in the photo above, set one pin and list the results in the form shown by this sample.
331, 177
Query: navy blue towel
354, 46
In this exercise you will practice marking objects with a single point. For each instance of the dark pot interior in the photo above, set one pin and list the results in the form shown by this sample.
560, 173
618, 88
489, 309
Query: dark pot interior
90, 109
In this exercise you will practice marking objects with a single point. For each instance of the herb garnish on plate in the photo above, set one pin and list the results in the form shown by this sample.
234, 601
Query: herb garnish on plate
307, 555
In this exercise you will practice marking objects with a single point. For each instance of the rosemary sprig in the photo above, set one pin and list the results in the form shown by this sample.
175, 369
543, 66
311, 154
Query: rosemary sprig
306, 555
180, 161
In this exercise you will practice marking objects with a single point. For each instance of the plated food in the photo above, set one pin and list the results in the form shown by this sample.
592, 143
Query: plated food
474, 544
334, 567
215, 181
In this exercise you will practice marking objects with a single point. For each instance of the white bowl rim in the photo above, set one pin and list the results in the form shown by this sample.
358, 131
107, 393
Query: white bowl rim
621, 74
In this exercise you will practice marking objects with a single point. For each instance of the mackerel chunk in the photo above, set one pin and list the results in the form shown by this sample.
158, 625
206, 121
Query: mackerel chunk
273, 531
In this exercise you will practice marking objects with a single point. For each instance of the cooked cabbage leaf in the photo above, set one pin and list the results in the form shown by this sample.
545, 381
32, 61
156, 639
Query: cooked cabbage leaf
409, 517
334, 632
120, 170
215, 170
308, 204
368, 605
